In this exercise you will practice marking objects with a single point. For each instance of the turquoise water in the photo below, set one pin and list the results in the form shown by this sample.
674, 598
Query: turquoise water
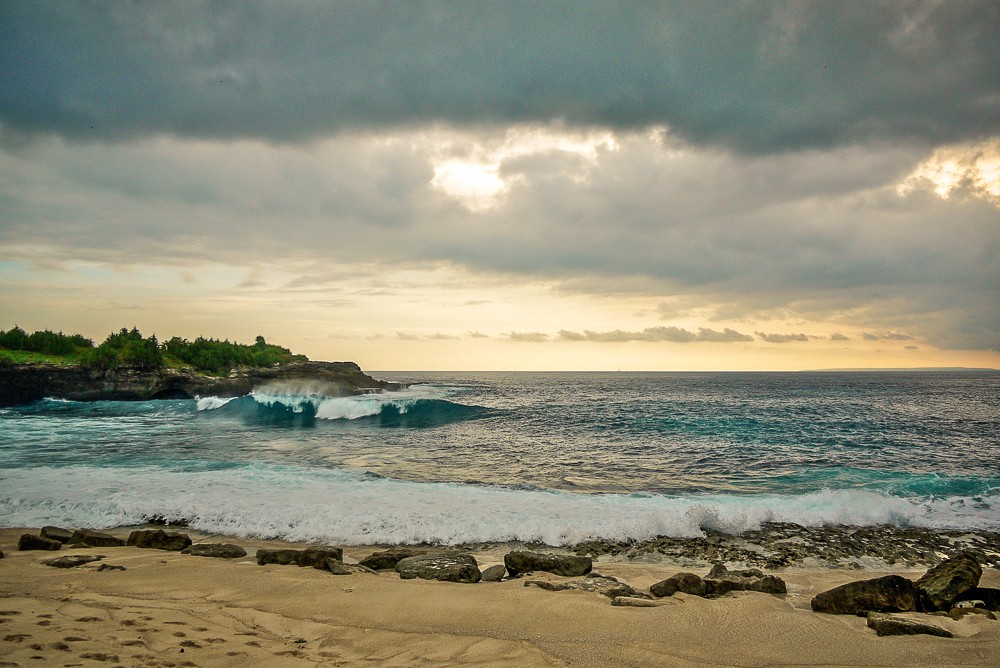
521, 456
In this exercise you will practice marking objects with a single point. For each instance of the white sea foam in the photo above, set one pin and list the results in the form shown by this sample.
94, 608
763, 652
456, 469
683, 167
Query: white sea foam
211, 403
345, 408
351, 508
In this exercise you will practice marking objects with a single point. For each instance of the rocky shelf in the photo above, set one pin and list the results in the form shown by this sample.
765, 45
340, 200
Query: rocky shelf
26, 383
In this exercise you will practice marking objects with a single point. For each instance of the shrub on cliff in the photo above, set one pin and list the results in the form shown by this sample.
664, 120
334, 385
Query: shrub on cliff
44, 342
127, 348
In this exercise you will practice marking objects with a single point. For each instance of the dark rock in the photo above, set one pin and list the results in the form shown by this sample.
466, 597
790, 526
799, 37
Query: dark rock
893, 625
569, 565
447, 567
30, 541
318, 556
598, 584
163, 521
56, 533
946, 582
337, 567
989, 596
720, 572
159, 539
721, 581
282, 557
958, 613
494, 573
95, 538
72, 561
110, 567
1, 554
687, 583
217, 550
387, 559
891, 593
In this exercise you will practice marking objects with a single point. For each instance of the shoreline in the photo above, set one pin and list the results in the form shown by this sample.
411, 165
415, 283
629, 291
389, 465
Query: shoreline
168, 608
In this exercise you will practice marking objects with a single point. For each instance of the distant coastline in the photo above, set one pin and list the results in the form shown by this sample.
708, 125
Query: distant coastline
926, 369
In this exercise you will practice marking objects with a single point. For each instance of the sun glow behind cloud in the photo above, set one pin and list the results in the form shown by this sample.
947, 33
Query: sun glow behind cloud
973, 168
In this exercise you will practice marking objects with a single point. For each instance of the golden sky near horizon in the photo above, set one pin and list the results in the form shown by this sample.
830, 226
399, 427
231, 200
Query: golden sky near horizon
422, 203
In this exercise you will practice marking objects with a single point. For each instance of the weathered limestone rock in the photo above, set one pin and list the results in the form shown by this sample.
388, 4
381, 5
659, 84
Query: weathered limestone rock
95, 538
946, 582
337, 567
958, 613
687, 583
988, 595
721, 581
217, 550
318, 556
30, 541
519, 562
283, 557
72, 561
891, 593
447, 567
494, 573
159, 539
894, 625
110, 567
57, 533
597, 584
387, 559
632, 602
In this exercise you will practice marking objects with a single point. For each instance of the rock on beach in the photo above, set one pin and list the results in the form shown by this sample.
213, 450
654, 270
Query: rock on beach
217, 550
892, 593
567, 565
92, 538
895, 625
30, 541
948, 581
446, 567
159, 539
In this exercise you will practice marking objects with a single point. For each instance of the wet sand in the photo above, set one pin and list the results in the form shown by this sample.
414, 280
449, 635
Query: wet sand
171, 609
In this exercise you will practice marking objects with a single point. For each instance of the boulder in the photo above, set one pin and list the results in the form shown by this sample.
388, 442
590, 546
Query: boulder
569, 565
337, 567
990, 597
158, 539
318, 556
217, 550
387, 559
597, 584
687, 583
91, 538
30, 541
943, 584
494, 573
57, 533
282, 557
447, 567
891, 593
72, 561
894, 625
721, 581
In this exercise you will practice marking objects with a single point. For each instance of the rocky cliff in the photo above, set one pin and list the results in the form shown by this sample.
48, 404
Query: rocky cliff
24, 383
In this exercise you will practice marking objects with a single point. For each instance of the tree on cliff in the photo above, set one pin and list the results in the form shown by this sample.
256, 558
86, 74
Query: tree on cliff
127, 348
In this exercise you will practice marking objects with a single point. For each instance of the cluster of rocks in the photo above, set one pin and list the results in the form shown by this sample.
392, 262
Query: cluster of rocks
949, 588
719, 581
777, 545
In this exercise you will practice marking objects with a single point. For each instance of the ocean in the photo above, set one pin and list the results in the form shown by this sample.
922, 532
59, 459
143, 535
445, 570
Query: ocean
497, 457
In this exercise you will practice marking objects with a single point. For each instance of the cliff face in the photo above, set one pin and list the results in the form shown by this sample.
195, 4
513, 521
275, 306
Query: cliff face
25, 383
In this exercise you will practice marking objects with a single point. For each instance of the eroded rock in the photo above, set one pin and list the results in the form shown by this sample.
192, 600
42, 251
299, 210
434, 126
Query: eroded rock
30, 541
945, 583
687, 583
568, 565
217, 550
891, 593
597, 584
895, 625
158, 539
90, 538
446, 567
57, 533
387, 559
494, 573
73, 560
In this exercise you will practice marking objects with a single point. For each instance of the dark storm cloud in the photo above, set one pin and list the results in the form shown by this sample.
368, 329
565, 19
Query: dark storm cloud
756, 76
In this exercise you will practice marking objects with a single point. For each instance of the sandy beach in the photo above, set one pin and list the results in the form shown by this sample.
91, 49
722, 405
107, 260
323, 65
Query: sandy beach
172, 609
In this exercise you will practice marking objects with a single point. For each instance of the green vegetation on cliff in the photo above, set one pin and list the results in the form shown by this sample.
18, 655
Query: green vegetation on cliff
128, 348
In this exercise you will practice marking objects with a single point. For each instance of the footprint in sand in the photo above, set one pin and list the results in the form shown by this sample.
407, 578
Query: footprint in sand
88, 619
179, 634
177, 623
200, 629
8, 613
61, 646
252, 643
75, 639
16, 637
8, 664
190, 643
214, 640
45, 616
37, 647
44, 622
133, 643
128, 622
100, 656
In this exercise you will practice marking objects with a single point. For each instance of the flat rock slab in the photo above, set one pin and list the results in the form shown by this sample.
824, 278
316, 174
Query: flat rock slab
387, 559
598, 585
446, 567
158, 539
90, 538
567, 565
894, 625
57, 533
72, 561
494, 573
312, 556
891, 593
30, 541
943, 584
217, 550
632, 602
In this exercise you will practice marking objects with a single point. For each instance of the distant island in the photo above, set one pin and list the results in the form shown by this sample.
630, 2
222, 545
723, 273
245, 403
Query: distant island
129, 367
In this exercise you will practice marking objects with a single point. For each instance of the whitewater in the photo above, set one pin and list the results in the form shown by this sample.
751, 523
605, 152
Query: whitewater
497, 457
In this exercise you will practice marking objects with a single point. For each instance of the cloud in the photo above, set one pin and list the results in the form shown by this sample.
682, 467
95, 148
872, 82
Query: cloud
756, 76
527, 337
781, 338
837, 336
885, 336
476, 335
657, 334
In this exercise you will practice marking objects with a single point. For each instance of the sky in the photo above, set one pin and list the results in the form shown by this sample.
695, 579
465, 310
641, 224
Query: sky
510, 185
